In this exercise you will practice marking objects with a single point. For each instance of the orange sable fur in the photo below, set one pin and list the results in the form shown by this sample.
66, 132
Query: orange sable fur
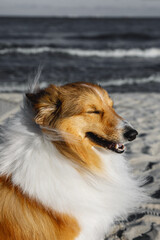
24, 219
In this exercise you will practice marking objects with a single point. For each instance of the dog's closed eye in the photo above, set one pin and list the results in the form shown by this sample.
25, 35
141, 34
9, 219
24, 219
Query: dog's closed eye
95, 112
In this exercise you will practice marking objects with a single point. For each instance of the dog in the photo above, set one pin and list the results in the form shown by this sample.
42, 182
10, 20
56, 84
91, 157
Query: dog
62, 172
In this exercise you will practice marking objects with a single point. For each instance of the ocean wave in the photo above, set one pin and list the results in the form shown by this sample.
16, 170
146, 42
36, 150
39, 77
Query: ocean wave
113, 36
116, 53
26, 50
18, 87
23, 87
130, 81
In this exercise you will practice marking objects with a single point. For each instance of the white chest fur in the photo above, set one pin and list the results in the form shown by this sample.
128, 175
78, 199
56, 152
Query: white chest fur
44, 174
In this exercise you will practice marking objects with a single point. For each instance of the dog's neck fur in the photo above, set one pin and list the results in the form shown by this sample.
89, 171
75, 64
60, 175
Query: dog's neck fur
42, 173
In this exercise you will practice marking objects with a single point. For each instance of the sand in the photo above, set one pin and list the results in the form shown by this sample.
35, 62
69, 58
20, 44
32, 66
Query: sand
9, 104
143, 111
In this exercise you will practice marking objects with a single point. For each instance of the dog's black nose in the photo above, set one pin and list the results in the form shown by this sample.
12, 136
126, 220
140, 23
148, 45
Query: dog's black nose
130, 134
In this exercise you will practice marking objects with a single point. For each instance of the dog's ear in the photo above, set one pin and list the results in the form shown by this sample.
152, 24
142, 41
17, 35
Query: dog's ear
46, 104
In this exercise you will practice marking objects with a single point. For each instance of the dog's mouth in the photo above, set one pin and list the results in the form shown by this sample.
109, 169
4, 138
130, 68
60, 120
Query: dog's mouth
114, 146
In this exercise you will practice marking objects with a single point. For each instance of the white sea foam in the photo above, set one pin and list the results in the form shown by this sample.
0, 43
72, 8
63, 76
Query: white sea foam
16, 87
130, 81
116, 53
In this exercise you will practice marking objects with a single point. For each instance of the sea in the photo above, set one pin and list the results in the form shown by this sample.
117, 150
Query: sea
120, 54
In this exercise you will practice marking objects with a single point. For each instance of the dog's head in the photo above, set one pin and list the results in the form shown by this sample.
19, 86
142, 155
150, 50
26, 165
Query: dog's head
84, 112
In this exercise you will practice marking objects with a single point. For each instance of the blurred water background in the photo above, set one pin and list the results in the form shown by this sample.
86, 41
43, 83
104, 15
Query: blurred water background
120, 54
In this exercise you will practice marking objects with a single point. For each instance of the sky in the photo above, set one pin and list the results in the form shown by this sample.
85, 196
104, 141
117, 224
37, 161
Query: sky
126, 8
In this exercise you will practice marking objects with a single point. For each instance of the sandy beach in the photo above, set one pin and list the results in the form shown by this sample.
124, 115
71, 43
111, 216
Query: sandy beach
143, 111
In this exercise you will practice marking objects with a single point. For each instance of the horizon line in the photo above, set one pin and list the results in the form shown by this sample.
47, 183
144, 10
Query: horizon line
73, 16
